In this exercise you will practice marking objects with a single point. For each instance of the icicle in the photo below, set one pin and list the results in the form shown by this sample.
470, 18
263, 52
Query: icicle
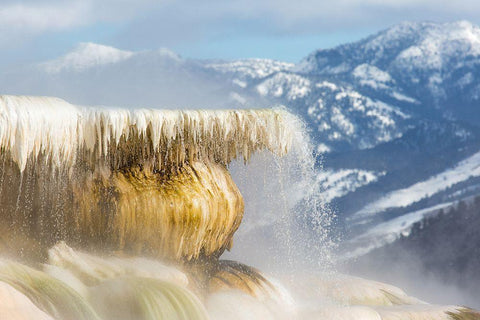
64, 133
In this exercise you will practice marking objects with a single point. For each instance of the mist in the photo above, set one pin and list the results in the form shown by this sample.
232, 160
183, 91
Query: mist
407, 269
149, 79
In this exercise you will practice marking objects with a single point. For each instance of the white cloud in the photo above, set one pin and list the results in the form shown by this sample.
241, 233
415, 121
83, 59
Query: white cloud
38, 18
274, 15
22, 21
53, 15
154, 23
192, 20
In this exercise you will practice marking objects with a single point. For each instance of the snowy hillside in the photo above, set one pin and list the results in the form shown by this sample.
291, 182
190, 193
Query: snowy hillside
387, 232
250, 68
464, 170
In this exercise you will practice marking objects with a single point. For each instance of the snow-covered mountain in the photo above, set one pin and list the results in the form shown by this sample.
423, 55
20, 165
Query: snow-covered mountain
86, 56
394, 117
430, 63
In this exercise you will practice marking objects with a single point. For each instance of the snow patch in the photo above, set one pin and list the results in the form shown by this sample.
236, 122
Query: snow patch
371, 76
387, 232
326, 84
401, 97
464, 170
280, 84
335, 184
466, 80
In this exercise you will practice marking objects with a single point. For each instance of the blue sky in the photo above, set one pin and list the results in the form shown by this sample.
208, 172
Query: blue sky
33, 30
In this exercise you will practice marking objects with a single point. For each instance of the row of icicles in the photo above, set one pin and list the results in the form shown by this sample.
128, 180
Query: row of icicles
32, 126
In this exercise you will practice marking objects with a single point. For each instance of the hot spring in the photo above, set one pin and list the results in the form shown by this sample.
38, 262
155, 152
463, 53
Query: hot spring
128, 214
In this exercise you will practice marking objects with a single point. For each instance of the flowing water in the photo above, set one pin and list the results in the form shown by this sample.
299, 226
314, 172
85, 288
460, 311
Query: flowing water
128, 214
